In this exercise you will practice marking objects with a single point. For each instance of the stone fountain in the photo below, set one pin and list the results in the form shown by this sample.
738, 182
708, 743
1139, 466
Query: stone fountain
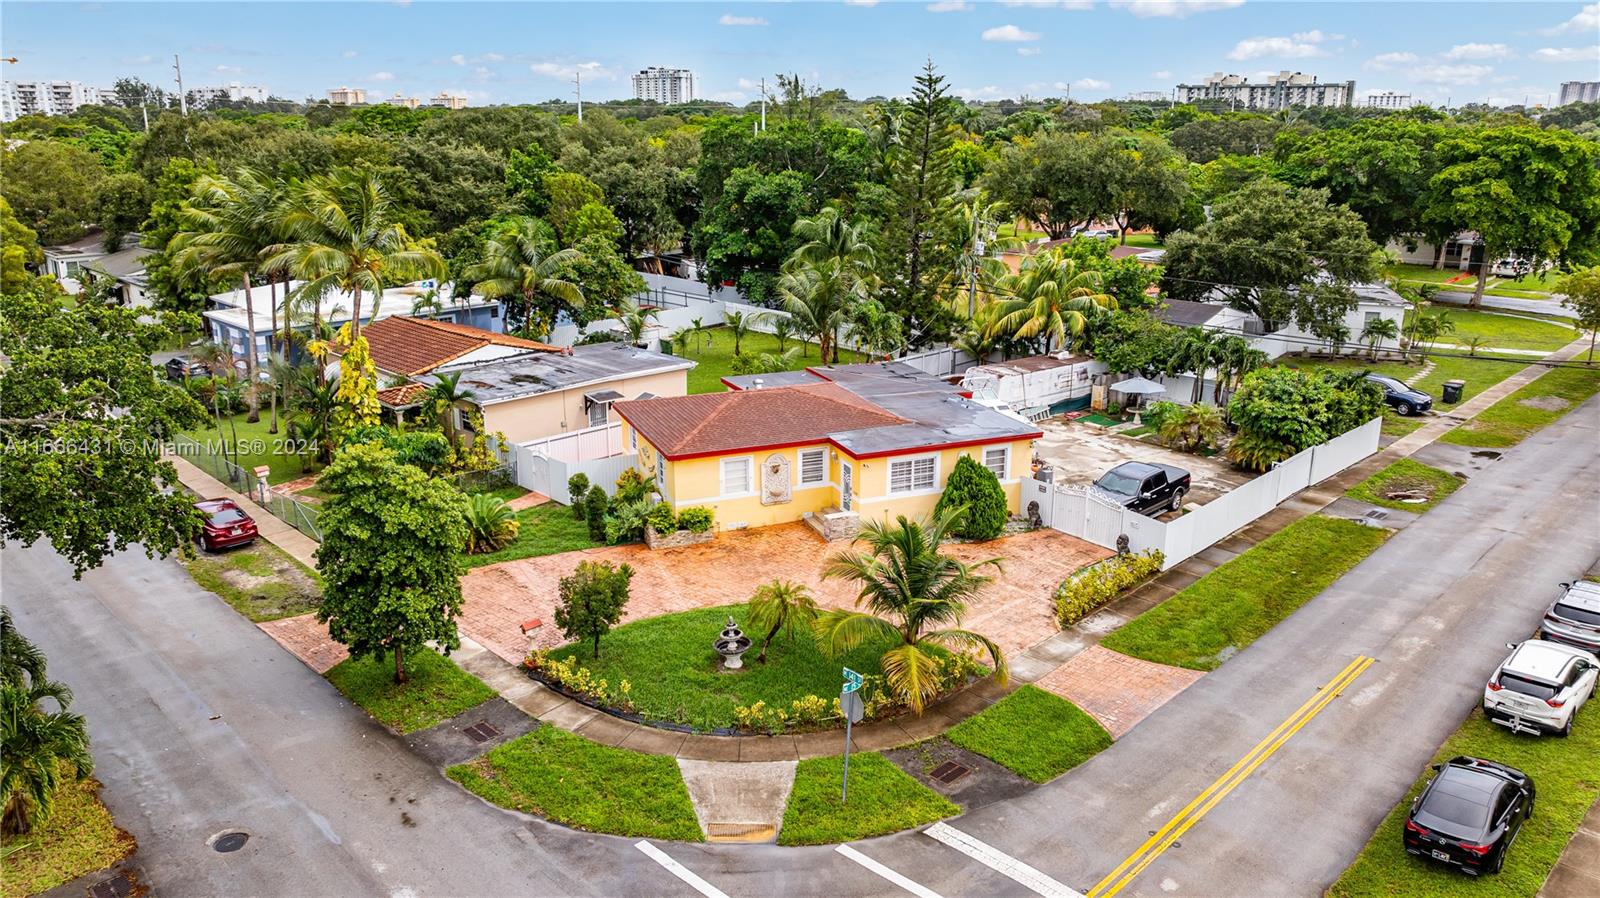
732, 645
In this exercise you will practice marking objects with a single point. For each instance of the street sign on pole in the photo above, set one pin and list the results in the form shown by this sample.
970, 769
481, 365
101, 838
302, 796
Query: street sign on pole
852, 681
853, 708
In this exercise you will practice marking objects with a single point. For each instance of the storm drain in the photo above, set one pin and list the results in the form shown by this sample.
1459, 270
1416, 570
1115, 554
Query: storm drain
1377, 514
229, 842
949, 772
119, 886
482, 731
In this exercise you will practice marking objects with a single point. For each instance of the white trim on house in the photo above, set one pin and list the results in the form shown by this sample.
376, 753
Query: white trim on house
1005, 460
820, 455
749, 476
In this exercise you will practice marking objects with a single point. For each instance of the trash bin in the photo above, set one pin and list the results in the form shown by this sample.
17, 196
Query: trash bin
1452, 391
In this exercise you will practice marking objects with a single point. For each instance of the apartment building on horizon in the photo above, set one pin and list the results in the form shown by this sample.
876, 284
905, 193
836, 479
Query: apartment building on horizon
1388, 99
19, 98
1285, 89
1579, 92
664, 85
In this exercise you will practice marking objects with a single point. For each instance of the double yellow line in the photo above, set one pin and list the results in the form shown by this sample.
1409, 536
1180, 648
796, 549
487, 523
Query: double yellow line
1174, 829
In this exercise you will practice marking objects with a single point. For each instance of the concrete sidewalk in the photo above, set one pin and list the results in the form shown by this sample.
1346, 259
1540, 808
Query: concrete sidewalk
272, 529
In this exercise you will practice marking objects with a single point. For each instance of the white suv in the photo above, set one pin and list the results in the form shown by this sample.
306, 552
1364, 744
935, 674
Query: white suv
1540, 687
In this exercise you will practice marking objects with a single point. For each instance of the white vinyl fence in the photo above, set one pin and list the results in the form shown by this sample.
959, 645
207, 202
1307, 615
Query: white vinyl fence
1079, 512
545, 465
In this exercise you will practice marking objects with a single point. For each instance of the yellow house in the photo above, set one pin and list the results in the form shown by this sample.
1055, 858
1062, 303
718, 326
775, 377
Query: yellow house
871, 441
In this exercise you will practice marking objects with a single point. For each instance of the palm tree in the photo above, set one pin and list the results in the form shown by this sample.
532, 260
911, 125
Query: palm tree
1193, 427
427, 305
1376, 331
1238, 357
1474, 343
635, 319
1198, 350
444, 397
517, 265
738, 326
826, 276
875, 329
280, 379
978, 268
780, 605
343, 237
782, 330
1052, 298
977, 342
40, 744
313, 424
699, 326
908, 587
830, 238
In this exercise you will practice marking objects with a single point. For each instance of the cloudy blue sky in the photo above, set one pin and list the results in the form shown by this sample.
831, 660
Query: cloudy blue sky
519, 52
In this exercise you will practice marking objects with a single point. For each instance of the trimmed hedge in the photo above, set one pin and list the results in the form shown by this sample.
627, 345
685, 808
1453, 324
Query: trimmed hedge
1088, 589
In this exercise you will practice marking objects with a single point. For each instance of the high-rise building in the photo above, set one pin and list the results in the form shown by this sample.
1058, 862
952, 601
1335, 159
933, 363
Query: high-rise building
400, 99
1579, 92
664, 85
19, 98
347, 96
1388, 99
1286, 89
447, 100
233, 91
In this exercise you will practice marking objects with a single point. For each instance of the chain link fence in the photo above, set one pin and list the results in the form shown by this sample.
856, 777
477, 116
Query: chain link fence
301, 516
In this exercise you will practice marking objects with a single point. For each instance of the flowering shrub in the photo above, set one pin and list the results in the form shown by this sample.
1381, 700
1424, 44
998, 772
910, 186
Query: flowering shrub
950, 671
577, 679
1098, 584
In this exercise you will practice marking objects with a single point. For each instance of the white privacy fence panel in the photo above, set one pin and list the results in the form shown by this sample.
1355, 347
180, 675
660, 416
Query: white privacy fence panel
542, 474
581, 445
1078, 512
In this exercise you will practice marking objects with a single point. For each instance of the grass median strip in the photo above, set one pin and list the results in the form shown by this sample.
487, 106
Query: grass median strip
79, 838
436, 690
1229, 608
883, 799
1408, 478
1540, 403
1564, 773
1033, 733
260, 581
568, 779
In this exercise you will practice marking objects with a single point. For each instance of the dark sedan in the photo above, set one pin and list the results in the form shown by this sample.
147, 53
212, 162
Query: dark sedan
1469, 814
226, 525
183, 368
1401, 398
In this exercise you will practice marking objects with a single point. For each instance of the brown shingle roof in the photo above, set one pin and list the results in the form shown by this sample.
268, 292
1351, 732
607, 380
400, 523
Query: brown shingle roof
715, 423
409, 346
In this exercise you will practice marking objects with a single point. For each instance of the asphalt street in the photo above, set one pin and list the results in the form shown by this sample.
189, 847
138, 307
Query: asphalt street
1508, 303
202, 724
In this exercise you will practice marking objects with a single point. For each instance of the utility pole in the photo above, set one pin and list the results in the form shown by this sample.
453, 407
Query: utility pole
183, 99
577, 81
763, 104
144, 106
977, 260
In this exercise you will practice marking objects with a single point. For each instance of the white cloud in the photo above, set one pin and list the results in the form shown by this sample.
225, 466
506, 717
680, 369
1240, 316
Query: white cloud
737, 97
1460, 74
381, 76
1028, 51
987, 92
459, 59
1162, 75
349, 54
1587, 21
1314, 36
1044, 4
1010, 34
860, 2
229, 69
1091, 84
1172, 9
1288, 48
482, 73
493, 57
1479, 51
567, 70
950, 6
1388, 60
1568, 54
748, 21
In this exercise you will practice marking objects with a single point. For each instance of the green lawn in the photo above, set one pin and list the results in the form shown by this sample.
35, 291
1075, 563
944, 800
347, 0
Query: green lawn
255, 445
1563, 770
79, 838
1010, 230
568, 779
260, 581
1223, 612
1034, 733
1406, 474
436, 689
712, 352
1146, 240
675, 674
546, 529
1478, 373
1509, 421
1505, 331
883, 799
1406, 271
1396, 426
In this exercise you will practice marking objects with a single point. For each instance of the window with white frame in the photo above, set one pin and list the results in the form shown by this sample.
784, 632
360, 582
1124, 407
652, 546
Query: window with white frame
736, 476
633, 438
997, 459
813, 466
661, 471
913, 475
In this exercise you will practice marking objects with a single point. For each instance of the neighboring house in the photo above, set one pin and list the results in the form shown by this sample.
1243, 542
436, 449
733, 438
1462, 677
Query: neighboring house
404, 346
64, 262
873, 440
1372, 301
537, 394
1458, 253
126, 268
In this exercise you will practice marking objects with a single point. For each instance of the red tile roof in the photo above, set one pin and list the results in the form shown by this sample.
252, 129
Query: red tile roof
403, 395
406, 345
716, 423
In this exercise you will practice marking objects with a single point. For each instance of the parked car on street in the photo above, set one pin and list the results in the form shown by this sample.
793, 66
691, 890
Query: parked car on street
184, 367
1469, 815
1540, 687
226, 525
1401, 398
1574, 618
1145, 487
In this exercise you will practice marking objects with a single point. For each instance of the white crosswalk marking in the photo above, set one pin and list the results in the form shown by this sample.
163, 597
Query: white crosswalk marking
679, 870
1000, 862
909, 885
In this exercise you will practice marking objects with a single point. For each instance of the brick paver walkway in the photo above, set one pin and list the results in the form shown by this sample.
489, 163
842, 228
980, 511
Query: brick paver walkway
1014, 611
1117, 690
307, 640
527, 500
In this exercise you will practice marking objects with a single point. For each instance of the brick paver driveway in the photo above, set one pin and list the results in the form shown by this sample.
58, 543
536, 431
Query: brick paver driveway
1016, 611
1117, 690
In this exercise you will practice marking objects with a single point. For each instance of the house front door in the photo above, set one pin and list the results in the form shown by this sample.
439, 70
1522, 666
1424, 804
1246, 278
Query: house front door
845, 487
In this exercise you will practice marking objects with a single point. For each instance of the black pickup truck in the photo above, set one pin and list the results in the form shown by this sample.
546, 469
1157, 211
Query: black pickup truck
1144, 487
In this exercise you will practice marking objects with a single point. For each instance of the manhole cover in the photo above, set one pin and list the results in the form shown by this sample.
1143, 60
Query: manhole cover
118, 886
949, 772
482, 731
229, 842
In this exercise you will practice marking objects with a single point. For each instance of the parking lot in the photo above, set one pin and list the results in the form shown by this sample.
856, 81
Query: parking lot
1080, 453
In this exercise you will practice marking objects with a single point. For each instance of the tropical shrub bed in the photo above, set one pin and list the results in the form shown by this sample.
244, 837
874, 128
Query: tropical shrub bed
1088, 589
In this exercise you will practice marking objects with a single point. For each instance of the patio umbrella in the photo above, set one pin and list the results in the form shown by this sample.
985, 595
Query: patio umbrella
1139, 386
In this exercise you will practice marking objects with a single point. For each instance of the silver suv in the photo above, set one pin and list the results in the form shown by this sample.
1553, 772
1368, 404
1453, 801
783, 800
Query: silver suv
1574, 618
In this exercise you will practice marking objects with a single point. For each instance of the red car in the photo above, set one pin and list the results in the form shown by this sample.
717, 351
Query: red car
226, 525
